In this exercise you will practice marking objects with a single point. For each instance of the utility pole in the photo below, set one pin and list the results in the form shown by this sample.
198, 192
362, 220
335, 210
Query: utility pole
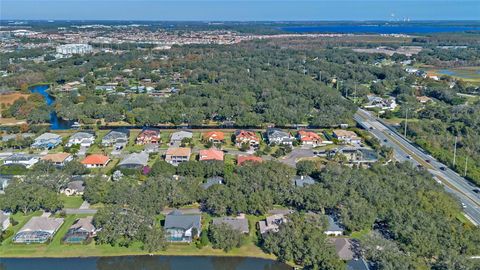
466, 162
455, 152
406, 119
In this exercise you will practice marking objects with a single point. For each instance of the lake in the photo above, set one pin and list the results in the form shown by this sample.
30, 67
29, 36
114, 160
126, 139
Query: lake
378, 28
142, 263
56, 123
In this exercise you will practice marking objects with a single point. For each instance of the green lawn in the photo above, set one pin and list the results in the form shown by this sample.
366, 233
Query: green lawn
71, 201
56, 249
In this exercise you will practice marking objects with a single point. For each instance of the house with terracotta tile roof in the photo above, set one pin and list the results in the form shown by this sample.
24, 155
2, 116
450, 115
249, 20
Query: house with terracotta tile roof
214, 136
246, 137
177, 155
149, 136
95, 161
309, 138
59, 159
242, 159
210, 154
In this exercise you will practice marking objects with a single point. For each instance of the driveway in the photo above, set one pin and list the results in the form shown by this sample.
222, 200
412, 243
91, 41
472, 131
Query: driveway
296, 154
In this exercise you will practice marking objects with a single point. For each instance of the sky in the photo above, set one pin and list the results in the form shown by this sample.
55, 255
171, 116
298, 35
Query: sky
240, 10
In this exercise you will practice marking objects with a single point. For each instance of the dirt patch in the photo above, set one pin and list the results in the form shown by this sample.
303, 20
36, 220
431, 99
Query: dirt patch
11, 121
8, 99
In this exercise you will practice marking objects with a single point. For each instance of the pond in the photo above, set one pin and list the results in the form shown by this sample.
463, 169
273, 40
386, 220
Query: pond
142, 263
56, 123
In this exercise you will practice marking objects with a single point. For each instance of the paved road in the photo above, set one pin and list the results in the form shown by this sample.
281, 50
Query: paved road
404, 150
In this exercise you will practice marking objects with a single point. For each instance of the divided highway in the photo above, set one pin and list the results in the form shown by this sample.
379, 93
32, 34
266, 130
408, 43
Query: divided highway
404, 150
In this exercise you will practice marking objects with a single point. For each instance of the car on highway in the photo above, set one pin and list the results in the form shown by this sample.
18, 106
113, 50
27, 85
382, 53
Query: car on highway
409, 157
464, 205
476, 190
443, 168
427, 160
385, 140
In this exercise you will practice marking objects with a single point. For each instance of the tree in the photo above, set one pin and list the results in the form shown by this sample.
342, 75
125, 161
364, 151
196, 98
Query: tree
27, 197
223, 236
155, 240
300, 240
306, 167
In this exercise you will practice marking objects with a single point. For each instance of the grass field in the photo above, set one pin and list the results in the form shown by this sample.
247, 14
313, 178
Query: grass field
9, 99
71, 201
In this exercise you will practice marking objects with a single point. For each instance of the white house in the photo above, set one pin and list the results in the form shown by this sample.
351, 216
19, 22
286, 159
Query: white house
21, 159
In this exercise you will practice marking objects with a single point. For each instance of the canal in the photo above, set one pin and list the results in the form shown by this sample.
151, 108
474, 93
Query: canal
142, 263
56, 123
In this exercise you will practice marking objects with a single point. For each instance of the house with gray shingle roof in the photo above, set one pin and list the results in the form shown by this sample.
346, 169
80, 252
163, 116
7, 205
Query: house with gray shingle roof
334, 227
134, 161
116, 137
177, 137
4, 221
38, 230
47, 141
279, 137
82, 138
302, 180
181, 227
238, 223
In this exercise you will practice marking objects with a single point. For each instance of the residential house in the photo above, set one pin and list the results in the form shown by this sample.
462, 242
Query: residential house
38, 230
346, 136
21, 136
381, 103
118, 137
82, 138
134, 161
239, 223
149, 136
4, 221
177, 137
423, 99
271, 223
76, 187
95, 161
58, 159
182, 228
81, 230
177, 155
247, 137
279, 137
302, 181
241, 159
309, 138
214, 180
359, 155
357, 264
214, 137
21, 159
47, 141
210, 154
343, 248
334, 228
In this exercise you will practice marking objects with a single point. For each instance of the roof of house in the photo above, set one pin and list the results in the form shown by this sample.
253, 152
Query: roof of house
180, 135
344, 133
56, 157
301, 180
242, 159
333, 225
42, 224
77, 185
176, 219
246, 135
116, 134
211, 154
343, 247
149, 132
140, 159
277, 133
178, 151
8, 137
212, 181
306, 136
240, 224
84, 224
82, 135
47, 136
20, 157
215, 135
95, 159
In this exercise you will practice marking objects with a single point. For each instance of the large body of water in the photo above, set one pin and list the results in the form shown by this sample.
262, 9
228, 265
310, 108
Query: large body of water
56, 123
142, 263
378, 28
